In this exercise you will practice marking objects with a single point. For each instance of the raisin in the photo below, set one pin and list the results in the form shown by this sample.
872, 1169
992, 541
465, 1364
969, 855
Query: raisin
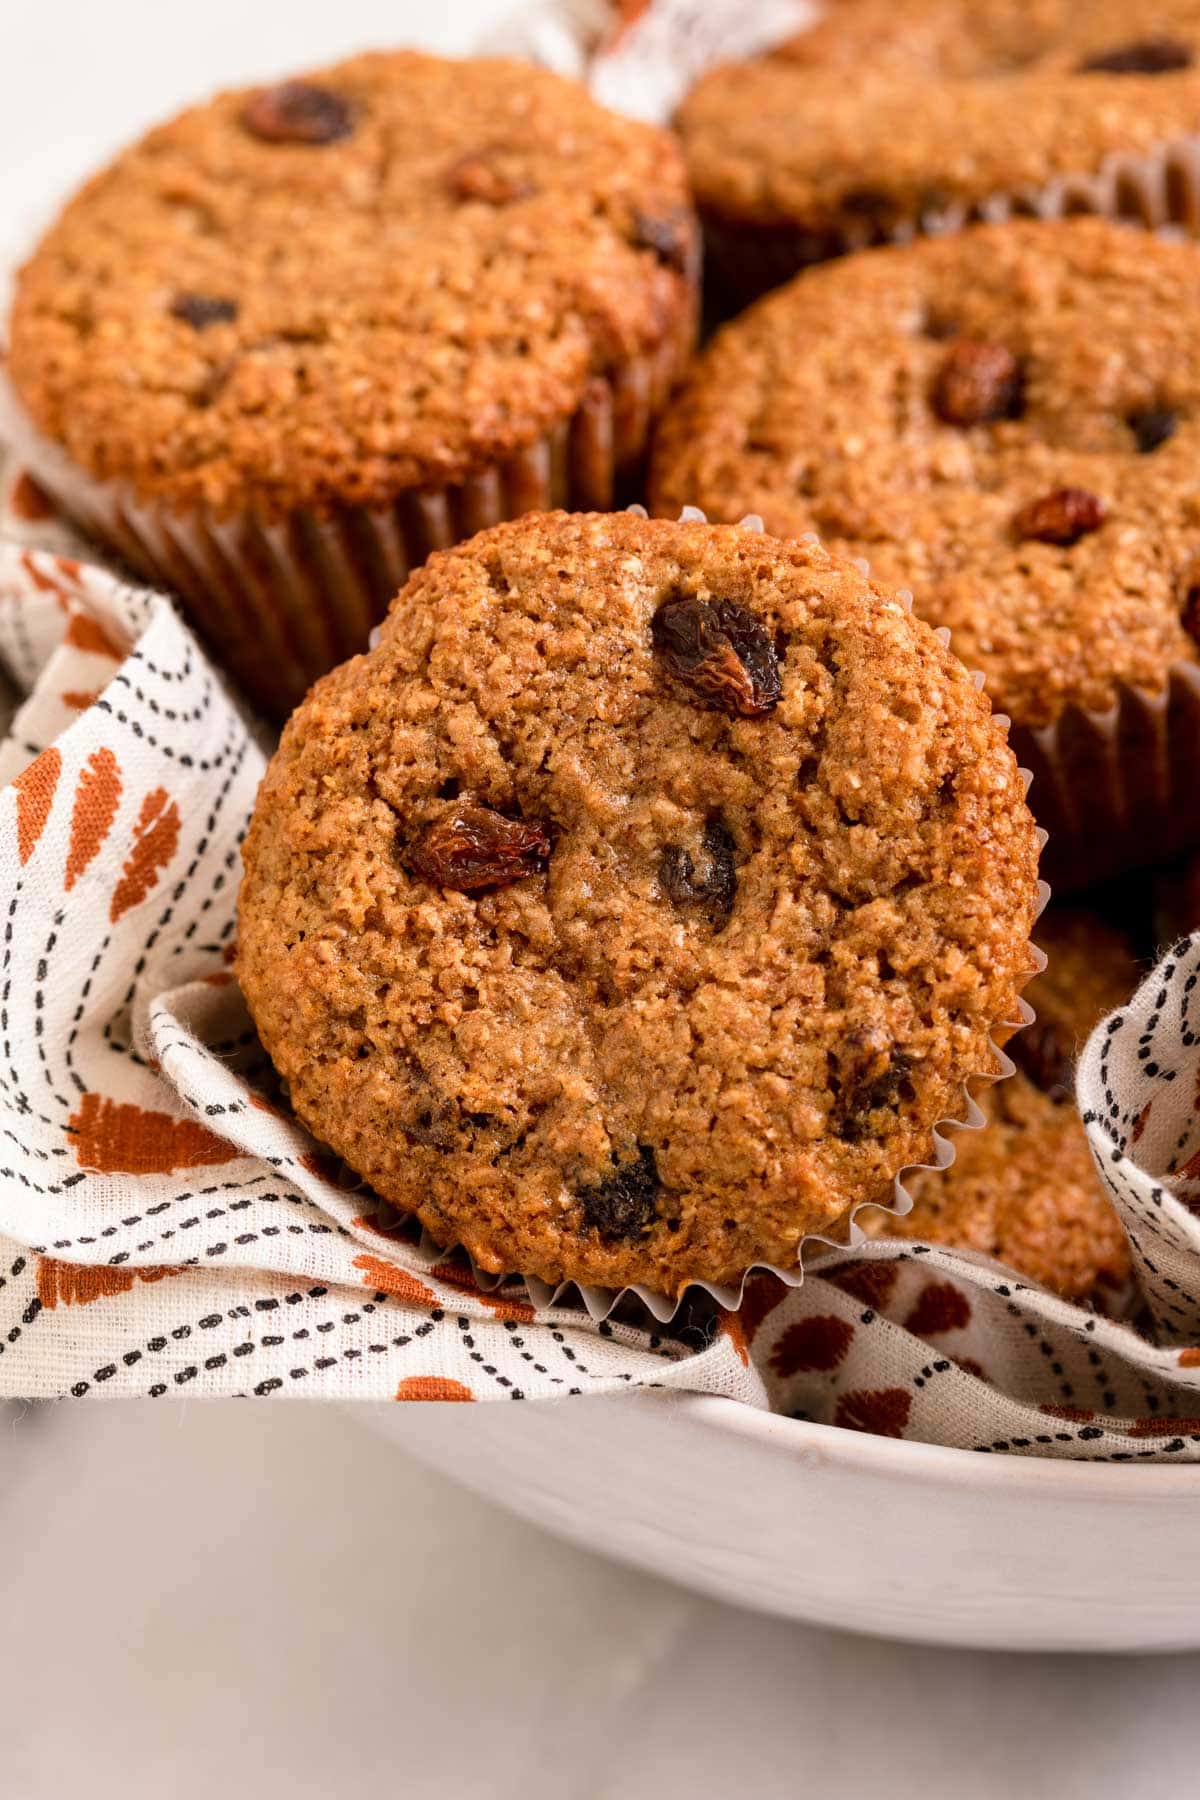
202, 310
297, 112
471, 848
1145, 56
623, 1204
477, 177
712, 888
1152, 427
976, 383
1061, 517
1045, 1058
669, 235
721, 652
872, 1074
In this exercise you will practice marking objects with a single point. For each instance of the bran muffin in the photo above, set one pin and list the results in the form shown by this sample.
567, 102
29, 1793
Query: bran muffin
1025, 1189
1006, 422
890, 117
640, 902
299, 336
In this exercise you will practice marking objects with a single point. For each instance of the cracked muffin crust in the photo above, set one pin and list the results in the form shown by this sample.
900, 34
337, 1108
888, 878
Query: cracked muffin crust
1024, 1189
889, 115
1005, 422
390, 274
641, 902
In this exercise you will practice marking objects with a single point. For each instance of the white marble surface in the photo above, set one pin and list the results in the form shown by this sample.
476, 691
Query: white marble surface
264, 1600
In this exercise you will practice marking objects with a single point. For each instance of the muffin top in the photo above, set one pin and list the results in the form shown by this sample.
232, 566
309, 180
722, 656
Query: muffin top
640, 902
887, 110
1006, 421
1025, 1189
389, 274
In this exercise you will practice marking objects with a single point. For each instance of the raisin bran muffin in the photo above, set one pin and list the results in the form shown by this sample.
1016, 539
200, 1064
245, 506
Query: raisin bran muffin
297, 337
1024, 1189
640, 902
1007, 422
890, 117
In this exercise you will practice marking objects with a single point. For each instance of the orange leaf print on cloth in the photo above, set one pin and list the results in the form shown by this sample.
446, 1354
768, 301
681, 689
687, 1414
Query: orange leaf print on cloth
155, 841
883, 1412
812, 1345
456, 1275
28, 501
386, 1278
940, 1307
118, 1139
969, 1366
50, 584
78, 700
1156, 1428
870, 1282
96, 799
732, 1327
78, 1284
36, 788
761, 1296
432, 1387
86, 633
1189, 1359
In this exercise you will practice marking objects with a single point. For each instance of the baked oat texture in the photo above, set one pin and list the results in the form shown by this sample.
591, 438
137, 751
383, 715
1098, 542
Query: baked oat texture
744, 960
914, 405
424, 287
888, 111
1025, 1189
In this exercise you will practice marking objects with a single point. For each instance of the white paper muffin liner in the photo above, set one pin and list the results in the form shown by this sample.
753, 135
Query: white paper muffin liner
280, 602
1158, 190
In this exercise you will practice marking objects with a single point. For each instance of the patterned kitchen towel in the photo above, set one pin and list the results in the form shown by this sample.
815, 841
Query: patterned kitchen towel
641, 56
166, 1227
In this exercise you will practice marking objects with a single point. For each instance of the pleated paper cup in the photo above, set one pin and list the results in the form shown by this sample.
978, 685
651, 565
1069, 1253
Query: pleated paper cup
279, 602
1159, 190
1117, 790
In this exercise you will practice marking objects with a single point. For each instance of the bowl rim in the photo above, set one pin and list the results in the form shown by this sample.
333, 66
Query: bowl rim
937, 1465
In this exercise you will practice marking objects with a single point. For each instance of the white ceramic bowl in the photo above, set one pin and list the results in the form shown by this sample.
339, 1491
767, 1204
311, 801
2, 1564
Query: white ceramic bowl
902, 1540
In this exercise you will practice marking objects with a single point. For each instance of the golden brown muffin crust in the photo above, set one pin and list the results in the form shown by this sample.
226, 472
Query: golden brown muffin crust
890, 109
1025, 1189
225, 319
822, 408
756, 963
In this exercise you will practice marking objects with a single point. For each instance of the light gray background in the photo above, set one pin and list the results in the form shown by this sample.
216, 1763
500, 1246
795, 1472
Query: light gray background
264, 1601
